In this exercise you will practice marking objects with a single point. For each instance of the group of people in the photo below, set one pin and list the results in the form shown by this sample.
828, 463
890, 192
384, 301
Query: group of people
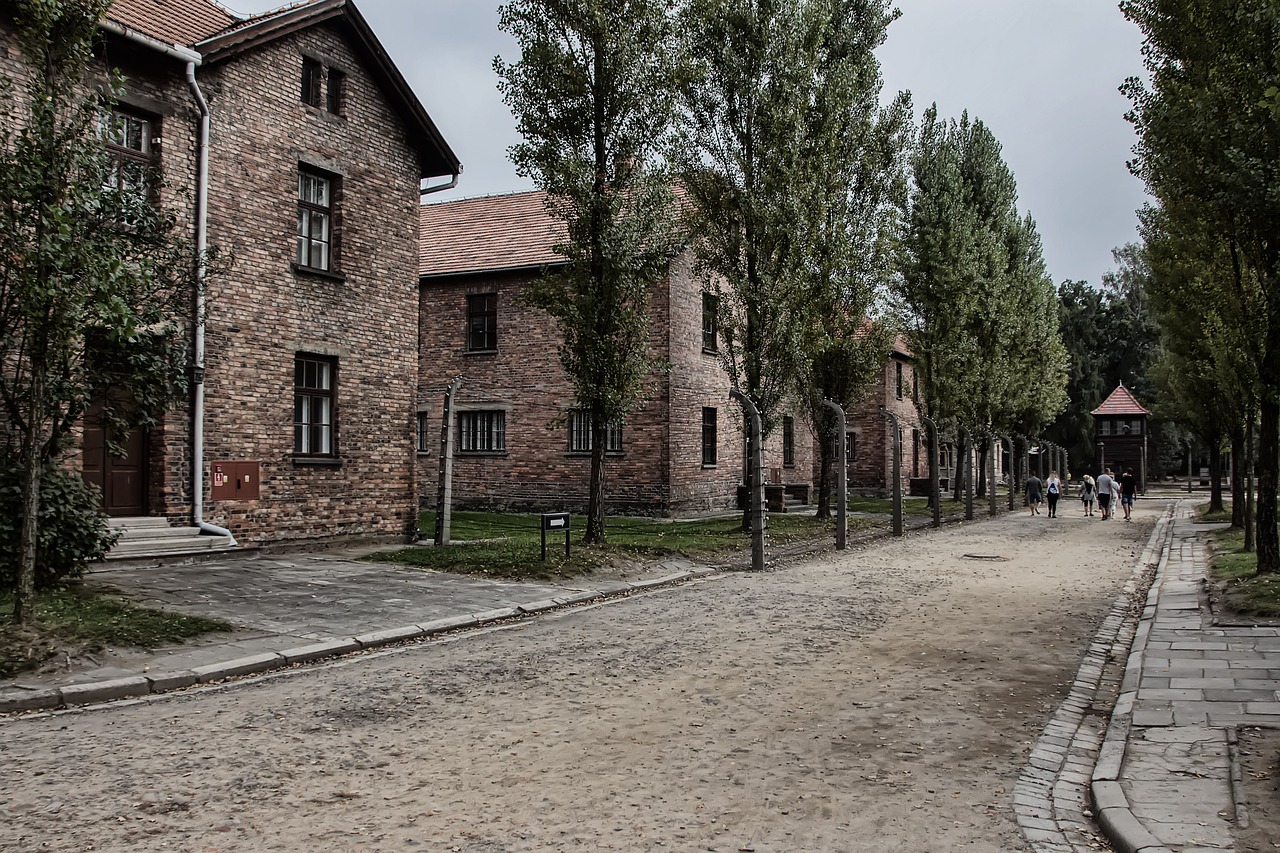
1108, 491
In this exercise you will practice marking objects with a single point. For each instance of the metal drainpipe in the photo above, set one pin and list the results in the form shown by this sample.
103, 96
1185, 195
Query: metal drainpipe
202, 241
192, 59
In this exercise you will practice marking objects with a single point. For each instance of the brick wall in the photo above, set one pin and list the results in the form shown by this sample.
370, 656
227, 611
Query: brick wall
264, 313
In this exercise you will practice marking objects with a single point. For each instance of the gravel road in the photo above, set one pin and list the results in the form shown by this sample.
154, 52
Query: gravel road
880, 700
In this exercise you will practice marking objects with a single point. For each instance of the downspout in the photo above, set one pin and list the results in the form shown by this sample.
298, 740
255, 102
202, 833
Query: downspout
202, 241
192, 59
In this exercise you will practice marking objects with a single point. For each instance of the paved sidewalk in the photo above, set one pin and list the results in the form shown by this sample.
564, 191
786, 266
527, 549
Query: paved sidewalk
1163, 780
294, 609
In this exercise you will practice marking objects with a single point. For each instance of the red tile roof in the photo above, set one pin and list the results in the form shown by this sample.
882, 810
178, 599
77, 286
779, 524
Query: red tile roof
486, 234
1121, 402
183, 22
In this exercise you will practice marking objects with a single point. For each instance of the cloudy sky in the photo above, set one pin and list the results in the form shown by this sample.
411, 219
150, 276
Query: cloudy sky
1042, 74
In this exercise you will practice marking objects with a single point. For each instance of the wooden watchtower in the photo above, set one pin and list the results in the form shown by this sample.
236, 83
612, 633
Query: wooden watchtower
1120, 432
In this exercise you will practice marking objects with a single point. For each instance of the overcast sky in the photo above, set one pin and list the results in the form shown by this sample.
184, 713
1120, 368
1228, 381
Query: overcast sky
1042, 74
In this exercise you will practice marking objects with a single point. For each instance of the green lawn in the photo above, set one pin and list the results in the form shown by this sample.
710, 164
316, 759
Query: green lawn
84, 621
508, 545
1203, 514
1245, 591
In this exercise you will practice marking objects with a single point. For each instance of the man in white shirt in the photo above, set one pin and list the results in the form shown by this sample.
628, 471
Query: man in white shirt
1106, 488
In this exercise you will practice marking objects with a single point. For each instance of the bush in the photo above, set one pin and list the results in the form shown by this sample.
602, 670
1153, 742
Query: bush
73, 532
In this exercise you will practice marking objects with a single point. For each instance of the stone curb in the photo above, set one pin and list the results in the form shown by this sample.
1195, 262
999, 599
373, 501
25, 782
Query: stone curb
132, 687
1114, 813
1049, 799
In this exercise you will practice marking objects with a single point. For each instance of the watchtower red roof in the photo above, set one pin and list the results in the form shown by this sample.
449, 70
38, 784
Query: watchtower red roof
1121, 402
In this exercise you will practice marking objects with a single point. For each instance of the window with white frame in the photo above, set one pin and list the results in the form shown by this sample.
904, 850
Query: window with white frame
482, 432
315, 220
580, 440
314, 405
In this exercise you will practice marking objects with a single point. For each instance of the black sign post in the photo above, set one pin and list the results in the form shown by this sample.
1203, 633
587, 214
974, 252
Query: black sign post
554, 522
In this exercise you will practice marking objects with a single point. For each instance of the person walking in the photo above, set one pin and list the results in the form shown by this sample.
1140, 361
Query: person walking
1106, 486
1128, 491
1088, 492
1034, 487
1053, 490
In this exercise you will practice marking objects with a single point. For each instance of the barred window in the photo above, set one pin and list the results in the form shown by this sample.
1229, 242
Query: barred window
422, 441
482, 322
580, 434
482, 432
788, 441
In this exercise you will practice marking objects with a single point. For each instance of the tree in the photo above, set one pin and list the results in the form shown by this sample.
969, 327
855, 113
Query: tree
852, 223
593, 98
756, 70
93, 282
982, 310
1208, 123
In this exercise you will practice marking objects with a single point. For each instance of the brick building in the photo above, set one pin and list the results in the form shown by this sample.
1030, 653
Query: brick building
870, 440
519, 441
316, 153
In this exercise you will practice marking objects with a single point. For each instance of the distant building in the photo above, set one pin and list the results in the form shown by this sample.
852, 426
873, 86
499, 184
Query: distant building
1120, 432
520, 443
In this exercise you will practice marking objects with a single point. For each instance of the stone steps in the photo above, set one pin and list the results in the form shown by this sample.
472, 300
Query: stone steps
144, 538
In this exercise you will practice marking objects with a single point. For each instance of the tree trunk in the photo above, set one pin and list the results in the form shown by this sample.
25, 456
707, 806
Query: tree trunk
1237, 480
32, 470
981, 481
595, 495
961, 470
1215, 477
1268, 462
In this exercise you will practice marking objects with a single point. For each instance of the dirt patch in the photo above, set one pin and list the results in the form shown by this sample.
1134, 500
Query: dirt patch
1260, 772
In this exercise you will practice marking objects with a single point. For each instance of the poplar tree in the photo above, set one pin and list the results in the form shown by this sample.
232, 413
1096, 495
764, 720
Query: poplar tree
1208, 124
592, 94
93, 280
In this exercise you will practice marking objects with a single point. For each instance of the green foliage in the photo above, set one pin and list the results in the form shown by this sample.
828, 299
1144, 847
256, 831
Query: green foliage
593, 99
770, 86
1209, 154
73, 531
94, 281
982, 311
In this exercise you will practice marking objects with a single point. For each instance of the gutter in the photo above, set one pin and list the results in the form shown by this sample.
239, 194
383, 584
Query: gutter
439, 188
192, 59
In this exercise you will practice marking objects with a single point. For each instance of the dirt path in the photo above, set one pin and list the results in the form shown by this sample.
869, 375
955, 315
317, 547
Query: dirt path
881, 700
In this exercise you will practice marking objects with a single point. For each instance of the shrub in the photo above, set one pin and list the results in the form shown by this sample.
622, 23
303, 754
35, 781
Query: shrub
73, 532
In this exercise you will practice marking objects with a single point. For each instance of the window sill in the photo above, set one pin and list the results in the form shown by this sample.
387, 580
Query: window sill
473, 454
480, 352
706, 351
299, 269
318, 461
586, 454
709, 467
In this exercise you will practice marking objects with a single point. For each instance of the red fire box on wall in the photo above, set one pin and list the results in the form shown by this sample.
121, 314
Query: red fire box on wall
234, 481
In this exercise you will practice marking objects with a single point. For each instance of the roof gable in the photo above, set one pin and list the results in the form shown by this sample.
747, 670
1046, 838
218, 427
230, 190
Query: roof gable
1121, 402
487, 234
434, 153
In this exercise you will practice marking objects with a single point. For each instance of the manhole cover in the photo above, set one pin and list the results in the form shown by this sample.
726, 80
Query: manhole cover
991, 558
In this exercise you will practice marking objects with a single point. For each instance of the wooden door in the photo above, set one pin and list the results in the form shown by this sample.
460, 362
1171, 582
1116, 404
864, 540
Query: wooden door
122, 479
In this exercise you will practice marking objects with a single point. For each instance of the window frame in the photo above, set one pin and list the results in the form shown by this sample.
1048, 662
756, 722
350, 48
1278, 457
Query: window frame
309, 433
121, 154
311, 90
710, 437
335, 81
474, 423
488, 316
580, 428
898, 372
422, 432
308, 211
711, 330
